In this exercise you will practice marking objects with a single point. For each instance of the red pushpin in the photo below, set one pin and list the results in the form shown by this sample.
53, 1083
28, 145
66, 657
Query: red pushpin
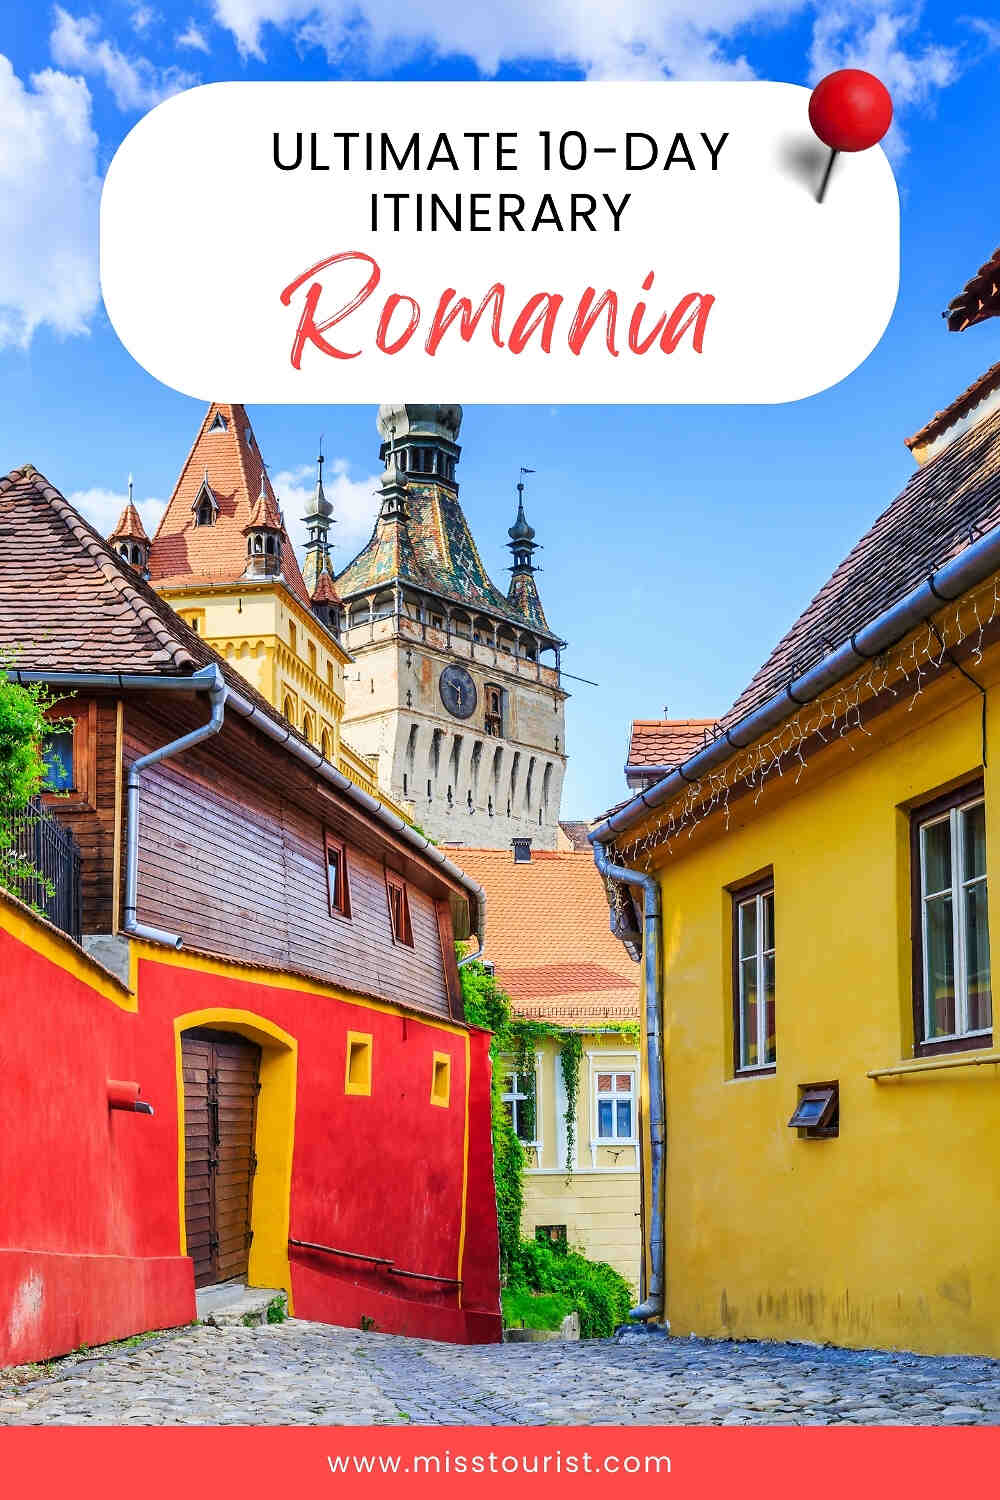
850, 111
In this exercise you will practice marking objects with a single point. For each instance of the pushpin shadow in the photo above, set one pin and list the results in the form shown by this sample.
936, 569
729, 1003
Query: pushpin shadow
803, 159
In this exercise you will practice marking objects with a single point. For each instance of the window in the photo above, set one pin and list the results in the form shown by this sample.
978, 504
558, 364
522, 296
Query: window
615, 1106
753, 978
441, 1080
817, 1114
399, 910
519, 1105
205, 514
952, 1003
358, 1076
57, 756
337, 888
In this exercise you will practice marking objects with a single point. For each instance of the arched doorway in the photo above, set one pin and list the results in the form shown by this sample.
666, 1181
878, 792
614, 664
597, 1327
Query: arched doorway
221, 1083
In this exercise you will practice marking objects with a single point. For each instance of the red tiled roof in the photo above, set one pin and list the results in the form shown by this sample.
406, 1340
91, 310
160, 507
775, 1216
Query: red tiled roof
576, 832
979, 299
549, 937
185, 553
325, 592
948, 502
955, 410
130, 527
265, 512
667, 742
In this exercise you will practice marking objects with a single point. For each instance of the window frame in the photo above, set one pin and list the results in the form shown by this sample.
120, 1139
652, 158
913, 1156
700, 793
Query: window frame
513, 1097
402, 933
83, 718
752, 890
948, 805
341, 907
616, 1071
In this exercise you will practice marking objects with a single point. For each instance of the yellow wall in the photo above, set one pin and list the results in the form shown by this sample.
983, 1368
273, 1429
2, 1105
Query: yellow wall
251, 626
599, 1201
886, 1236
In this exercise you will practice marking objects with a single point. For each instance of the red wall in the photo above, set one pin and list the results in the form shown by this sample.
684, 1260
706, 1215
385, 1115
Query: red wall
89, 1232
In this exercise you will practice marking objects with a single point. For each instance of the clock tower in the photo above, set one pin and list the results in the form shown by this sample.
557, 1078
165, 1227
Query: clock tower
456, 686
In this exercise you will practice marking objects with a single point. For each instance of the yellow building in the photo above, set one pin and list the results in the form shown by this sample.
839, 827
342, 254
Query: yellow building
552, 953
222, 557
814, 888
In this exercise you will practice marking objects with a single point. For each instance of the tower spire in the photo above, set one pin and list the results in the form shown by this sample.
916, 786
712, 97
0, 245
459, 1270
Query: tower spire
318, 519
523, 591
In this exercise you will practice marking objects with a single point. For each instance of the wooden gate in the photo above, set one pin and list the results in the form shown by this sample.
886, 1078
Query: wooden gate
221, 1083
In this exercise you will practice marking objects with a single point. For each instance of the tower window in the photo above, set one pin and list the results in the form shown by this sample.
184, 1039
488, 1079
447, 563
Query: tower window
205, 514
493, 718
219, 423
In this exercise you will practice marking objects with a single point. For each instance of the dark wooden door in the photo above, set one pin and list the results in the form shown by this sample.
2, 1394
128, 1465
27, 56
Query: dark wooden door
221, 1082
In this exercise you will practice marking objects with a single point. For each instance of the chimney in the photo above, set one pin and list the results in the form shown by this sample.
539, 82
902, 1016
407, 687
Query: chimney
522, 851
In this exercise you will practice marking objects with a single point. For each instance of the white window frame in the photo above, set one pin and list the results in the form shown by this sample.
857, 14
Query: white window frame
761, 953
960, 957
614, 1095
510, 1097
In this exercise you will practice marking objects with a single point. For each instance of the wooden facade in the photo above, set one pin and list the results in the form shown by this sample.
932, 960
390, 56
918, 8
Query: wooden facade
233, 855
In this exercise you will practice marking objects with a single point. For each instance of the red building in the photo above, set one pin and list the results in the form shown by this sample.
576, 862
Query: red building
267, 955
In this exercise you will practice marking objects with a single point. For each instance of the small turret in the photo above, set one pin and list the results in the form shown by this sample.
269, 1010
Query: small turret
523, 591
318, 519
129, 537
265, 532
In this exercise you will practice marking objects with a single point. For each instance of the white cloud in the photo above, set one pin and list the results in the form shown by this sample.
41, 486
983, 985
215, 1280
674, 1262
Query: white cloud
193, 38
355, 504
144, 18
103, 507
135, 83
49, 191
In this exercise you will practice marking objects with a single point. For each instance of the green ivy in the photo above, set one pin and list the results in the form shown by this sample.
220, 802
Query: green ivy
570, 1058
23, 726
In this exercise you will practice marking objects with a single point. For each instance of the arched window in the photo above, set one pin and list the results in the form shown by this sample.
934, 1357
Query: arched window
308, 731
324, 745
288, 709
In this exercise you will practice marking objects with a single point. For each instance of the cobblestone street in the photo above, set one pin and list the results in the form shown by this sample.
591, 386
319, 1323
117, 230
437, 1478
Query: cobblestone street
305, 1373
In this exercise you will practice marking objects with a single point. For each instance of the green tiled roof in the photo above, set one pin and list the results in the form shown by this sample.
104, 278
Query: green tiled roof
433, 549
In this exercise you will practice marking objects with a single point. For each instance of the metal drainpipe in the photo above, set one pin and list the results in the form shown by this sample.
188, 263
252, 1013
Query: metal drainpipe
217, 693
654, 1305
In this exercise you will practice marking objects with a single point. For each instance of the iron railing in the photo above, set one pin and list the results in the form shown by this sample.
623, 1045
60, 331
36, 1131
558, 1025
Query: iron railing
54, 856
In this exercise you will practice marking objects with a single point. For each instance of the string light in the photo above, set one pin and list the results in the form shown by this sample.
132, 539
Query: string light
904, 670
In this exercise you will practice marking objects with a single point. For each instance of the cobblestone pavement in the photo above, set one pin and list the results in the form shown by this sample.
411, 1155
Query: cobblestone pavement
305, 1373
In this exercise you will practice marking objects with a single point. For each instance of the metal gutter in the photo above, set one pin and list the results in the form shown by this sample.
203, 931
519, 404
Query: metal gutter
949, 582
653, 1306
209, 679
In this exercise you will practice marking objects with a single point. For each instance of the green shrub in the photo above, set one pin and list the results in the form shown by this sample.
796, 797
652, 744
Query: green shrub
595, 1290
23, 726
523, 1309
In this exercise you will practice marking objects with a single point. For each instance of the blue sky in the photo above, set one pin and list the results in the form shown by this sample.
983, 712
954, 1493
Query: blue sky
680, 542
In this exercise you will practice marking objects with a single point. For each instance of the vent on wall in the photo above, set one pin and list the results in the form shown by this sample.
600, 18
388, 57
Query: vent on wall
522, 851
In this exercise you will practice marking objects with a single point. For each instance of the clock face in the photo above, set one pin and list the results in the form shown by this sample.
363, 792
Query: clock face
458, 692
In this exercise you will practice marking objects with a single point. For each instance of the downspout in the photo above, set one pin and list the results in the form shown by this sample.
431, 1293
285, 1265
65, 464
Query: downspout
217, 692
654, 1304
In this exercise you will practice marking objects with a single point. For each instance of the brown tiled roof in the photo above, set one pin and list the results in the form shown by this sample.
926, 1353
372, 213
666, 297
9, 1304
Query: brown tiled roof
265, 512
549, 937
955, 410
185, 553
666, 742
979, 299
951, 500
130, 527
576, 832
68, 603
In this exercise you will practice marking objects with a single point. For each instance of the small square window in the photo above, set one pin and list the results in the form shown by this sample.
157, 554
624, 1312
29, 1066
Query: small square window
399, 910
338, 890
57, 755
817, 1114
358, 1079
441, 1080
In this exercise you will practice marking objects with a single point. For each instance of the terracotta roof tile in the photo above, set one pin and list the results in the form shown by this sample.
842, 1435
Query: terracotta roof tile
129, 527
979, 299
955, 410
667, 742
549, 937
325, 591
951, 500
576, 832
185, 553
